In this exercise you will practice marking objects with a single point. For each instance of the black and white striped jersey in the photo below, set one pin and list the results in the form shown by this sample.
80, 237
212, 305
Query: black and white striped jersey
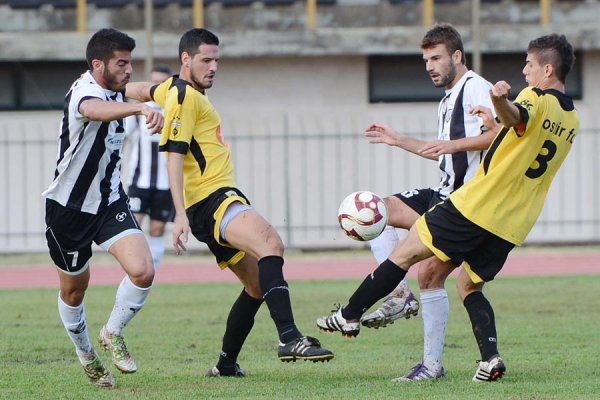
146, 167
455, 122
87, 176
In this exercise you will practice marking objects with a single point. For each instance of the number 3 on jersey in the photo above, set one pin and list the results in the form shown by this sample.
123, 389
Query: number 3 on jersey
542, 160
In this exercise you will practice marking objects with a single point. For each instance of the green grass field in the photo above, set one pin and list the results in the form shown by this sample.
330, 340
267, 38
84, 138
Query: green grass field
549, 336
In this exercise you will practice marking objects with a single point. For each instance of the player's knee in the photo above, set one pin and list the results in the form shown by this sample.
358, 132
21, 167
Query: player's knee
72, 296
144, 276
254, 290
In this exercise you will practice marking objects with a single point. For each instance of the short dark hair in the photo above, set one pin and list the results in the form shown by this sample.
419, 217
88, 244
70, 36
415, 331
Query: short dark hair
192, 39
556, 50
105, 42
163, 69
444, 34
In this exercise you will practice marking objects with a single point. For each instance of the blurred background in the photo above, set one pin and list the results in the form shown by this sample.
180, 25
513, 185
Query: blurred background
298, 83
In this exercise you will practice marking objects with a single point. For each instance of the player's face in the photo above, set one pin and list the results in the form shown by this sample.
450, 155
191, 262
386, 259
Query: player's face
439, 65
203, 66
117, 72
535, 73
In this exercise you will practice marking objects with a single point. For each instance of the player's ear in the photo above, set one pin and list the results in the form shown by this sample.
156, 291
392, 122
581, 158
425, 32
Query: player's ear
457, 57
98, 65
548, 70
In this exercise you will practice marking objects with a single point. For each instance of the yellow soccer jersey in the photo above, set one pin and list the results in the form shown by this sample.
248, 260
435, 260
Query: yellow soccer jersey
193, 128
508, 192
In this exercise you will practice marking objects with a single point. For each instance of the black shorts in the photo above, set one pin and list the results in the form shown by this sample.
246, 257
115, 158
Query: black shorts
420, 200
70, 233
205, 221
158, 204
451, 236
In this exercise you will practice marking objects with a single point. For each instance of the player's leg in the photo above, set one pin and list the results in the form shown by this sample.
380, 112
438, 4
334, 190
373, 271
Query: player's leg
161, 210
240, 319
250, 232
491, 367
156, 241
122, 238
69, 237
401, 302
376, 285
434, 310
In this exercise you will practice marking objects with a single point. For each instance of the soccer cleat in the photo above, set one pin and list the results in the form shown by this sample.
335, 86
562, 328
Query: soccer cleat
303, 348
490, 370
390, 310
120, 355
420, 373
336, 322
233, 371
95, 370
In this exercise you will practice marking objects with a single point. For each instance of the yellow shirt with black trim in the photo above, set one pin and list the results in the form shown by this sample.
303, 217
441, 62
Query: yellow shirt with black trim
193, 127
508, 192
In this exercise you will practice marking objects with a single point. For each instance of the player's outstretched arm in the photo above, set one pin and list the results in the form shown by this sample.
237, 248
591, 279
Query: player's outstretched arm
507, 112
490, 128
95, 109
380, 133
139, 90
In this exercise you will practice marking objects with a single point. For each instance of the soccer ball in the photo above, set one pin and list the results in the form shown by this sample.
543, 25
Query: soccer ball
362, 215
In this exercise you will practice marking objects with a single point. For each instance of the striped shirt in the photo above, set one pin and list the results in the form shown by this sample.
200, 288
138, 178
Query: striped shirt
147, 168
455, 122
87, 176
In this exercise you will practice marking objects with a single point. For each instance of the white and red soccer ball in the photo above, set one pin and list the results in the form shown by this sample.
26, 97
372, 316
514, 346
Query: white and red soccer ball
362, 215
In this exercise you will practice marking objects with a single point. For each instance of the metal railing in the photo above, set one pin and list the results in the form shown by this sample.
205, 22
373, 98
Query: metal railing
296, 179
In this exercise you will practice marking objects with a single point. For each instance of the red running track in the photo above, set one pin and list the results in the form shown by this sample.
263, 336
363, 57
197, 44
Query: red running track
587, 263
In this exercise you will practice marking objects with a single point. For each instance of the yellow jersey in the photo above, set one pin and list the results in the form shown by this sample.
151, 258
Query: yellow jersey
193, 127
508, 192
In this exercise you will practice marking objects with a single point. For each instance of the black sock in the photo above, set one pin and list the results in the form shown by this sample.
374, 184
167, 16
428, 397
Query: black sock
239, 325
277, 296
376, 285
484, 324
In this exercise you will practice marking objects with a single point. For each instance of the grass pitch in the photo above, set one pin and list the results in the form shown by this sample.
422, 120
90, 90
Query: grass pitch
548, 329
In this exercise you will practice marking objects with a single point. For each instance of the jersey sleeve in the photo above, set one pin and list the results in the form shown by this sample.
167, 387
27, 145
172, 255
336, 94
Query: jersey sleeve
159, 92
180, 119
84, 91
527, 102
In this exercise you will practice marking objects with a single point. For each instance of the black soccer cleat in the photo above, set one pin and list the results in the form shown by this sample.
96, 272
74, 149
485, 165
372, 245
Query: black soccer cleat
303, 348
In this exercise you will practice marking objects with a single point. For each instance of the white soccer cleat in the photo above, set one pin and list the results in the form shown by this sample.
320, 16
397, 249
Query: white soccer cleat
336, 322
392, 309
120, 355
489, 371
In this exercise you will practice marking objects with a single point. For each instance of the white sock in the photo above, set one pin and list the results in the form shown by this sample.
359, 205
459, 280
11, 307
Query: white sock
381, 247
157, 248
129, 300
434, 309
74, 321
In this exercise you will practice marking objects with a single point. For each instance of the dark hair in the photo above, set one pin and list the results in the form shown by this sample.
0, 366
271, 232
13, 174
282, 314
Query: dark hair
163, 69
444, 34
105, 42
556, 50
192, 39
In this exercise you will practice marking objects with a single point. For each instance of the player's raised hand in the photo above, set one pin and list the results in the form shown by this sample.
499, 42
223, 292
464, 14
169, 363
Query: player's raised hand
488, 121
380, 133
500, 91
181, 229
154, 119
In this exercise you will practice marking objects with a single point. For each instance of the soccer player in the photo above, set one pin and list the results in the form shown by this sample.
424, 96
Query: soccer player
458, 150
208, 203
481, 222
86, 202
148, 188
